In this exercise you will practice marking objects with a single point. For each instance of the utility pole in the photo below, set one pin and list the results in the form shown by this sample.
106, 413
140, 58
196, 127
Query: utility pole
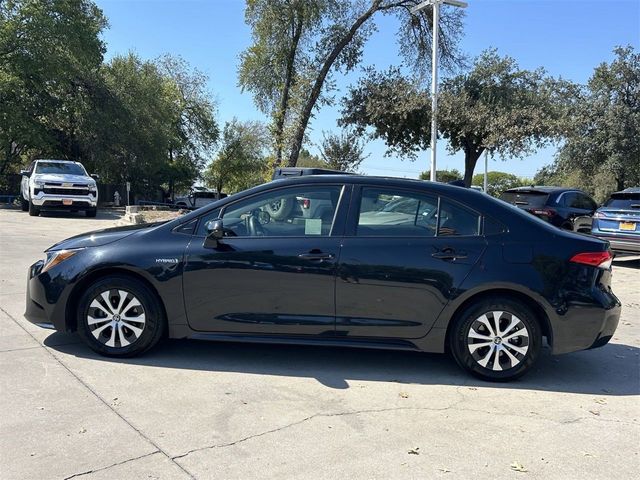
434, 70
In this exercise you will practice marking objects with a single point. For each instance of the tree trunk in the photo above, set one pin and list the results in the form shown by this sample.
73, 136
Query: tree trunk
471, 156
281, 114
298, 137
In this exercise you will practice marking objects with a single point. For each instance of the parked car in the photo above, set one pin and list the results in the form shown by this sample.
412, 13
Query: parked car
618, 221
58, 185
466, 273
198, 197
565, 208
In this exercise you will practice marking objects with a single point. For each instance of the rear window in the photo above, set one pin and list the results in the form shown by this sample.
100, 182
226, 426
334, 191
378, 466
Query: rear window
624, 200
525, 199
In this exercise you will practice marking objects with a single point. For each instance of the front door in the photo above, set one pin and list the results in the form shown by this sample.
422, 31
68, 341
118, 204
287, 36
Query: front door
402, 261
274, 271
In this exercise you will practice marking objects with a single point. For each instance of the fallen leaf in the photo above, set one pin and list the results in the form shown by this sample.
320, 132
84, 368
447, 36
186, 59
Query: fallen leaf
518, 467
594, 412
587, 454
414, 451
404, 395
444, 470
601, 401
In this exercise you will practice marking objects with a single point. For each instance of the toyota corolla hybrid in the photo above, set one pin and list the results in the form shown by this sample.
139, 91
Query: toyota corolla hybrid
362, 261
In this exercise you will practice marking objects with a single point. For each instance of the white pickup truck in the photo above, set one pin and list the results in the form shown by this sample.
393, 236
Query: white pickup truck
58, 185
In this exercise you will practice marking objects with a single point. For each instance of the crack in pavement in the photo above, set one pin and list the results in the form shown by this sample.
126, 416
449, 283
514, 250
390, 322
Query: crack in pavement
75, 475
99, 397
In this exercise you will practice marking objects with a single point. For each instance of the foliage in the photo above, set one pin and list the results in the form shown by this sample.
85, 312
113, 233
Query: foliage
342, 151
494, 106
498, 182
307, 159
241, 161
444, 176
50, 51
299, 45
604, 127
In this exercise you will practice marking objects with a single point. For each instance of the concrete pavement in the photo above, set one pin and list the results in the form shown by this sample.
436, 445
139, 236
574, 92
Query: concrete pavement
201, 410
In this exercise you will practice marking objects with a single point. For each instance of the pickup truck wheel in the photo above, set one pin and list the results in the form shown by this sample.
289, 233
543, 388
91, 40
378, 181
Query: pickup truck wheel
91, 213
24, 204
33, 210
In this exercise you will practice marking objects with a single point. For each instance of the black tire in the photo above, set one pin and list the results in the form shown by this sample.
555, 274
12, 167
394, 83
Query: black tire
33, 210
91, 213
154, 319
24, 204
505, 370
281, 208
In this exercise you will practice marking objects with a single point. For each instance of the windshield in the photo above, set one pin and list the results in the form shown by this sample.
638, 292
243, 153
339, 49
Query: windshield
60, 167
626, 201
525, 199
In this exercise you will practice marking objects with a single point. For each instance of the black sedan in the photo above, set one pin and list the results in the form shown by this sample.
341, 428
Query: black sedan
338, 260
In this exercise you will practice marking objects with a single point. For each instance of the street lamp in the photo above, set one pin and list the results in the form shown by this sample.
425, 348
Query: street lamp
434, 70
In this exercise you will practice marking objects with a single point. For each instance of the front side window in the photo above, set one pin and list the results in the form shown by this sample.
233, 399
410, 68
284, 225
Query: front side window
307, 211
385, 212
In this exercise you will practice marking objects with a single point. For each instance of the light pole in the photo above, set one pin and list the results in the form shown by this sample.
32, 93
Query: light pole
434, 70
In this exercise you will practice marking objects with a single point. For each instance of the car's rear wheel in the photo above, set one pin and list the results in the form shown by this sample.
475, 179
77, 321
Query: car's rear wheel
33, 210
496, 339
119, 316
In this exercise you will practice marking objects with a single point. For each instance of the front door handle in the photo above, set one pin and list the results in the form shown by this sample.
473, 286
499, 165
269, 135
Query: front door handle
448, 254
317, 256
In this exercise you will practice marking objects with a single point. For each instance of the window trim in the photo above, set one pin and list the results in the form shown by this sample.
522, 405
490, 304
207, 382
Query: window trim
343, 194
356, 201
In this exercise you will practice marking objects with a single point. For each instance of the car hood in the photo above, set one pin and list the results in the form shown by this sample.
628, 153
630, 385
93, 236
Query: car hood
62, 178
101, 237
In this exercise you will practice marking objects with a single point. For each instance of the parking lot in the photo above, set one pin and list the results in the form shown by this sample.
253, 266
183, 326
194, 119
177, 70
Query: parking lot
191, 409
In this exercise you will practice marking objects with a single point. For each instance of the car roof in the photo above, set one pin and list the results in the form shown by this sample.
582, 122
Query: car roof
55, 160
542, 189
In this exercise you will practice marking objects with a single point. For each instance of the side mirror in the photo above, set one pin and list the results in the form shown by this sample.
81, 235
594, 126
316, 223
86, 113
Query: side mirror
25, 173
95, 176
215, 232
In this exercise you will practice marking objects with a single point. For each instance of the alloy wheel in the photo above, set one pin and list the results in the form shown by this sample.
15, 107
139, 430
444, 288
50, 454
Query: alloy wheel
498, 340
116, 318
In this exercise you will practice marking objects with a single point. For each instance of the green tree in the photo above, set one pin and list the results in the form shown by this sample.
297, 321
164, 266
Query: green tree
342, 151
50, 53
299, 45
444, 176
241, 161
494, 106
498, 182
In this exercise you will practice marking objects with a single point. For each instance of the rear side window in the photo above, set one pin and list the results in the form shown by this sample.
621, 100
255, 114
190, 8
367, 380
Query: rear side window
457, 220
385, 212
525, 199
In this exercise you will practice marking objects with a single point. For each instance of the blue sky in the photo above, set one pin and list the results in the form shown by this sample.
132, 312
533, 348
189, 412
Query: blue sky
566, 37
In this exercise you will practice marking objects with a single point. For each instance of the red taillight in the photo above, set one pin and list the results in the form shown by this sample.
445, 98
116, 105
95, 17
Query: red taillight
595, 259
549, 212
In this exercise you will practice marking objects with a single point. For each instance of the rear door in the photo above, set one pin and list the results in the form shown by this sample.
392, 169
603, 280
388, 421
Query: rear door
403, 257
274, 271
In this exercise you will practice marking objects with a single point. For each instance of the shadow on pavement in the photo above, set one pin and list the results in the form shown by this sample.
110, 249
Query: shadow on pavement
612, 369
109, 215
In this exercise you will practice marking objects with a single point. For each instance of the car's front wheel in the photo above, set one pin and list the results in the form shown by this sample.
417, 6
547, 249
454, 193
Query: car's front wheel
24, 204
496, 339
119, 316
33, 210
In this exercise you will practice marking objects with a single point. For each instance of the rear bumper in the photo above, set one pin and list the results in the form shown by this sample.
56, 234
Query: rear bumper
621, 243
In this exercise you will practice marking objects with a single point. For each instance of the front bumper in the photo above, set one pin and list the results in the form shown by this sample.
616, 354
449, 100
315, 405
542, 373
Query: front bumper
47, 200
45, 299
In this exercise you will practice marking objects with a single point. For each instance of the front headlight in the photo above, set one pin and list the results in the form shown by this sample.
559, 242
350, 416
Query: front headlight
93, 187
56, 257
38, 184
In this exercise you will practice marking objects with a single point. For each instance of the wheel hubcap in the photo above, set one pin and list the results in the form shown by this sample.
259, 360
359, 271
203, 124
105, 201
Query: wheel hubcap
116, 318
498, 340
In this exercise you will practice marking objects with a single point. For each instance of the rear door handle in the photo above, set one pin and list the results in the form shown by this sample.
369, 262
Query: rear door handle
448, 254
319, 256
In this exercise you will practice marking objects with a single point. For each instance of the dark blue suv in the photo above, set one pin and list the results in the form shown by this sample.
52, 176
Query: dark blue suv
618, 221
566, 208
